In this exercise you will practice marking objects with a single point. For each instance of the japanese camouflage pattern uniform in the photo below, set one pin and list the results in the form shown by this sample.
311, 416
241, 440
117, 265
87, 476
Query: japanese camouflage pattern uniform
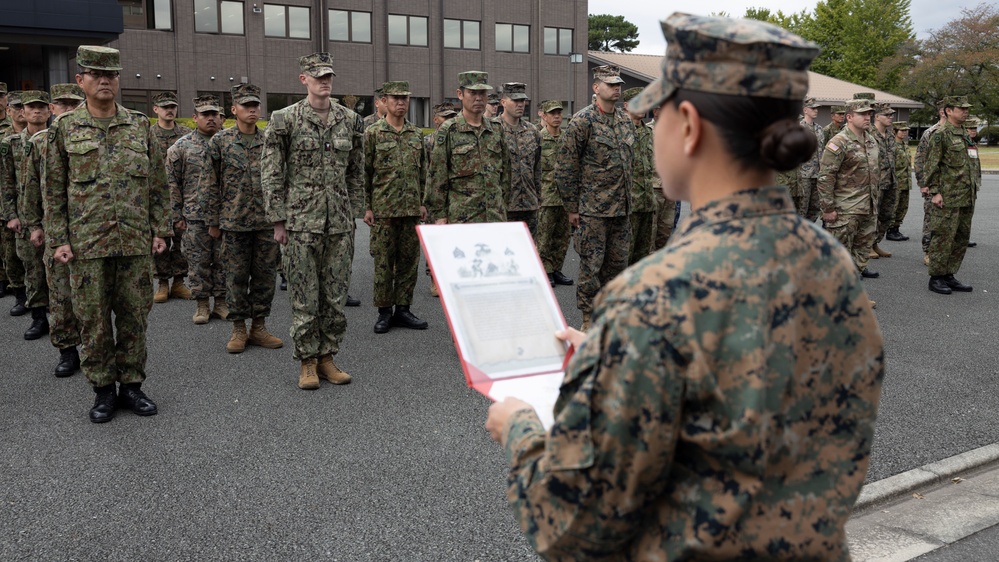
171, 263
903, 177
445, 110
395, 167
887, 182
188, 166
644, 184
6, 124
918, 162
234, 202
106, 197
832, 129
13, 269
594, 174
806, 195
523, 142
312, 174
370, 120
666, 209
469, 175
950, 172
681, 435
849, 184
554, 229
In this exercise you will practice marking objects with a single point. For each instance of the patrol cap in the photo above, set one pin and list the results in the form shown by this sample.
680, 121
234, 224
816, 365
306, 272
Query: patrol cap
396, 88
549, 106
859, 106
515, 90
608, 74
34, 96
811, 103
971, 124
14, 97
3, 88
245, 93
837, 109
67, 92
956, 101
317, 65
445, 109
164, 99
207, 102
863, 96
630, 93
379, 91
738, 57
98, 58
901, 126
883, 109
474, 80
492, 99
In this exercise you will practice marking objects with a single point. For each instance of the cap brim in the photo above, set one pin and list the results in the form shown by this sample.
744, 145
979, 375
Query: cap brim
166, 103
448, 113
652, 96
516, 97
398, 94
319, 72
101, 67
612, 80
206, 108
247, 99
478, 87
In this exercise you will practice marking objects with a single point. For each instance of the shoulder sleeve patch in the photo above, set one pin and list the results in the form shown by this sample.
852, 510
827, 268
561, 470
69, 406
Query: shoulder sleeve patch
832, 146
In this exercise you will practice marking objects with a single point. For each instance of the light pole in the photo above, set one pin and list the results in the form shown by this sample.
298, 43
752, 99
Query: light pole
574, 59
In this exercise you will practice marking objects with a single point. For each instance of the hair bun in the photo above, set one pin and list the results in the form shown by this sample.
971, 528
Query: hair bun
785, 144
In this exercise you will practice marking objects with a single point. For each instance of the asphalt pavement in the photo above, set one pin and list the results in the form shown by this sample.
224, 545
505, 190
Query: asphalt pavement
241, 464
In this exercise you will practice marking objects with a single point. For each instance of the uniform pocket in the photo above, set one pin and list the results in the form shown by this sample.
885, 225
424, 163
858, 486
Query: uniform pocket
83, 160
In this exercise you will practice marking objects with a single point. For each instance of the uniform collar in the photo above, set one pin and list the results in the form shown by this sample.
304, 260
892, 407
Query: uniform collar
461, 125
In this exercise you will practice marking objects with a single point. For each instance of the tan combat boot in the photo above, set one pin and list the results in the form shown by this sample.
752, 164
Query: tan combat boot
162, 291
881, 253
261, 337
926, 259
329, 371
308, 379
179, 290
433, 290
201, 314
874, 304
237, 342
872, 255
221, 309
586, 322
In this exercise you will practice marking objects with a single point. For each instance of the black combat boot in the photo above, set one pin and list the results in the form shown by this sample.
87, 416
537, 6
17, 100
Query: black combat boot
351, 301
69, 362
956, 285
4, 285
131, 396
21, 298
39, 323
105, 404
284, 283
939, 285
561, 279
405, 319
384, 321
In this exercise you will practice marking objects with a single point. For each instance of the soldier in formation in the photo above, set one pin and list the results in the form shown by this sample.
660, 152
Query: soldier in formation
6, 124
885, 137
171, 264
837, 118
667, 211
523, 142
806, 197
644, 185
492, 109
380, 109
903, 178
554, 230
13, 269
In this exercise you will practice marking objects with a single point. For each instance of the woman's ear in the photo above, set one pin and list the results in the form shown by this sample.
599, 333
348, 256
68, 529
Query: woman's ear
691, 127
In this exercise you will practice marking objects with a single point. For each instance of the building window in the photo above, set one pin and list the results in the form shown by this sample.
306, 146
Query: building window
147, 14
281, 101
138, 100
461, 34
286, 21
558, 41
215, 16
513, 38
407, 30
225, 97
350, 26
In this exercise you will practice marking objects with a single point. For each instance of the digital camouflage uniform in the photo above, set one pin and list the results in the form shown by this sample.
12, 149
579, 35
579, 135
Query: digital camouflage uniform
832, 129
312, 174
172, 262
644, 184
554, 229
806, 198
395, 167
917, 166
188, 165
523, 142
950, 172
848, 184
106, 196
903, 177
594, 175
234, 202
15, 155
888, 185
666, 209
13, 269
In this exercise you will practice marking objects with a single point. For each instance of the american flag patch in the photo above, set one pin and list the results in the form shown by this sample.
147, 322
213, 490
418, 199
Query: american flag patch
832, 147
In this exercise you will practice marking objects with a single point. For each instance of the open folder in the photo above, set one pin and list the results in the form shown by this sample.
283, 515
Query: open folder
501, 310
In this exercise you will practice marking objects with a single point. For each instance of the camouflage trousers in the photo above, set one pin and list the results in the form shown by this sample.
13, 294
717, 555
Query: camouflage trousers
809, 189
32, 258
250, 262
856, 233
528, 217
666, 214
396, 249
901, 209
120, 288
64, 330
13, 268
554, 232
603, 244
317, 267
205, 276
886, 212
927, 214
172, 262
950, 231
642, 235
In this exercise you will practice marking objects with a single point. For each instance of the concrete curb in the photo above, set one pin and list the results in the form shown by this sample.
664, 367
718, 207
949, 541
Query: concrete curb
893, 487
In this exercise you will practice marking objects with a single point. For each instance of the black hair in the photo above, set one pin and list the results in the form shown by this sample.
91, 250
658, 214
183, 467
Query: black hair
761, 133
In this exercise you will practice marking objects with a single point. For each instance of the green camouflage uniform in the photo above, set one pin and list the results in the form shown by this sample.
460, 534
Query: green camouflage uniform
848, 184
6, 126
806, 198
312, 173
903, 175
666, 209
554, 229
171, 263
917, 167
644, 184
22, 200
594, 174
395, 167
697, 412
13, 269
469, 174
888, 185
950, 172
523, 142
832, 129
106, 196
187, 166
234, 202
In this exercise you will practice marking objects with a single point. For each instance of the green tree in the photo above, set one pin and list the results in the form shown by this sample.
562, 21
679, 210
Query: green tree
612, 33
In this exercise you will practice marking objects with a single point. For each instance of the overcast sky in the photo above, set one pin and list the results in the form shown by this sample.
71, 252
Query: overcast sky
926, 15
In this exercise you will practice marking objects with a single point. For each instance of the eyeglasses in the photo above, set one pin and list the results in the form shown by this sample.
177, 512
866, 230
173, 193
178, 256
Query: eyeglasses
98, 74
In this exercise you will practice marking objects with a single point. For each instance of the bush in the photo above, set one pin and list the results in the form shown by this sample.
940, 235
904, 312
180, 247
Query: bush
990, 135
